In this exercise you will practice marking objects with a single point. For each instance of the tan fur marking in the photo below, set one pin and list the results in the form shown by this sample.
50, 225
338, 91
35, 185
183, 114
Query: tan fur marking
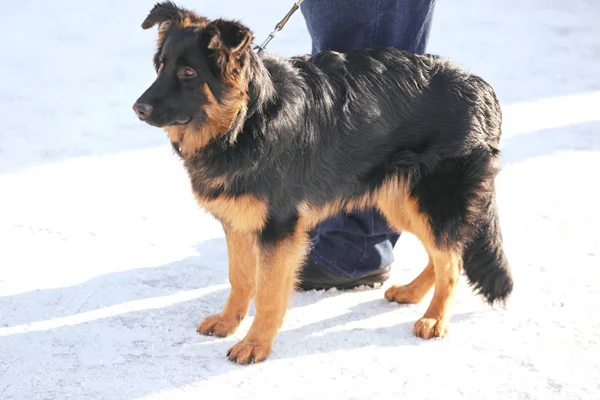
163, 29
434, 322
228, 59
402, 213
190, 20
277, 269
244, 43
244, 213
193, 21
392, 196
312, 215
242, 277
416, 290
219, 117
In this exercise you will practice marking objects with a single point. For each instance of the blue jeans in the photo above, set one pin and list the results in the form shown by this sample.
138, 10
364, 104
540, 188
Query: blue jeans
352, 245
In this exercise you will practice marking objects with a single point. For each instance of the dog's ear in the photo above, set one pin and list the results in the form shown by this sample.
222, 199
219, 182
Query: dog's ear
167, 15
229, 37
226, 43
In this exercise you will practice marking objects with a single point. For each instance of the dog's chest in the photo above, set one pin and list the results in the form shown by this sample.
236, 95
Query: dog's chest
244, 213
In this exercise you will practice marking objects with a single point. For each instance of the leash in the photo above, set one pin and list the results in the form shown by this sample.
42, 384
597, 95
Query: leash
279, 26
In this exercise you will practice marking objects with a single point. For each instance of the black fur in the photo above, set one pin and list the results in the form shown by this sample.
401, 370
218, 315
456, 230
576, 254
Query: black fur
336, 126
166, 11
484, 260
277, 228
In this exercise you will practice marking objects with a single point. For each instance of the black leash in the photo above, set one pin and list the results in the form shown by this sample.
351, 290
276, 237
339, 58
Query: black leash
279, 26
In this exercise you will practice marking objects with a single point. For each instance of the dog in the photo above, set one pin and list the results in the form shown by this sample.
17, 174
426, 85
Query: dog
273, 146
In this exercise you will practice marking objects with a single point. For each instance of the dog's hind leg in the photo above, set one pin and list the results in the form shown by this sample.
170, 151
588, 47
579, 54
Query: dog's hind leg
242, 277
416, 290
434, 322
402, 214
281, 249
442, 272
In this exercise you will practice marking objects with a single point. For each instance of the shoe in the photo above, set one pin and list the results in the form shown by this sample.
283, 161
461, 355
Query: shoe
315, 277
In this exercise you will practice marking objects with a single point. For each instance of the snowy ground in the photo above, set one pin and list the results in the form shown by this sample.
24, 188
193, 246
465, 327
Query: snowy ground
107, 265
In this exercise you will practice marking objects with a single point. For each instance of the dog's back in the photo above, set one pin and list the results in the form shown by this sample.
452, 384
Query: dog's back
422, 119
440, 125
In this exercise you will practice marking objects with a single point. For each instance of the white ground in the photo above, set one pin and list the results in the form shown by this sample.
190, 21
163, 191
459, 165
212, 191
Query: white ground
107, 265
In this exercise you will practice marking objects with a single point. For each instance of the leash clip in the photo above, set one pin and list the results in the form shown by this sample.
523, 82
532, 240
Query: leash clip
279, 26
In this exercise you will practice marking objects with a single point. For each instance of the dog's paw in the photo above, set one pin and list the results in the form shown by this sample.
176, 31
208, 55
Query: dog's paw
246, 352
218, 325
427, 328
401, 294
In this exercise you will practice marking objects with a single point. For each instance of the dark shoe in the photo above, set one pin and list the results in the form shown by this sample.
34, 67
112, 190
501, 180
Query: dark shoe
315, 277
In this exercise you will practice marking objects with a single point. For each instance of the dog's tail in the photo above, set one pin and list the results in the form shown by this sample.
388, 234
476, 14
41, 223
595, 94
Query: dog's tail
484, 261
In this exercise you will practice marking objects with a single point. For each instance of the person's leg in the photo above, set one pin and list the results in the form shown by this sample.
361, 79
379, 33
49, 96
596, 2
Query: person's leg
342, 25
356, 249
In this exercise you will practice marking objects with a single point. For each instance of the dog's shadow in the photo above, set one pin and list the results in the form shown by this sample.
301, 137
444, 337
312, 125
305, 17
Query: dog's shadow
127, 341
345, 332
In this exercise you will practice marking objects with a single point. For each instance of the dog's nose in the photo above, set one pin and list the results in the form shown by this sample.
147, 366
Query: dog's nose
142, 110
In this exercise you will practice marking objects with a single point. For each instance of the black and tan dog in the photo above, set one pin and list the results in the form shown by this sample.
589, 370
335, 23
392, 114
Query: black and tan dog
273, 146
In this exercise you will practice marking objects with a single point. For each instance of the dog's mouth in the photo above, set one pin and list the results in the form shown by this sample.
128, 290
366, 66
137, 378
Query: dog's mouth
182, 121
178, 122
144, 111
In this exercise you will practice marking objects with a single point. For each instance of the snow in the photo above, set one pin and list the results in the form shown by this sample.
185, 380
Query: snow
107, 265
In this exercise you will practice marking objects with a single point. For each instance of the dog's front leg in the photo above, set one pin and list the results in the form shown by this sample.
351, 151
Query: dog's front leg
281, 247
242, 277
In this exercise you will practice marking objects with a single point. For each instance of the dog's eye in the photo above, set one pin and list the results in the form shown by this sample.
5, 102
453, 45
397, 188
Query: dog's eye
187, 72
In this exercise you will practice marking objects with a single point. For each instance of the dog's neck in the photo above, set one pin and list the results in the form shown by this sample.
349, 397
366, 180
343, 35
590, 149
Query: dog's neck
271, 79
261, 91
261, 88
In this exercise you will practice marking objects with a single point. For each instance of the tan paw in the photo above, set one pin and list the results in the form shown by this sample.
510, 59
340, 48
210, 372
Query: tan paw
218, 325
401, 294
246, 352
427, 328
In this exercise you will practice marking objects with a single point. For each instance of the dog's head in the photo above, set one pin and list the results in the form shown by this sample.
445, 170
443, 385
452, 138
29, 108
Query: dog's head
200, 65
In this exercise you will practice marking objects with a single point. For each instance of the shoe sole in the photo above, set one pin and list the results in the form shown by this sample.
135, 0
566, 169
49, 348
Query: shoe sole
369, 281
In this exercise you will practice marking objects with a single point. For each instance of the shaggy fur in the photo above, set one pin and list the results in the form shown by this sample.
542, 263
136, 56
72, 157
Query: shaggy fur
273, 146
